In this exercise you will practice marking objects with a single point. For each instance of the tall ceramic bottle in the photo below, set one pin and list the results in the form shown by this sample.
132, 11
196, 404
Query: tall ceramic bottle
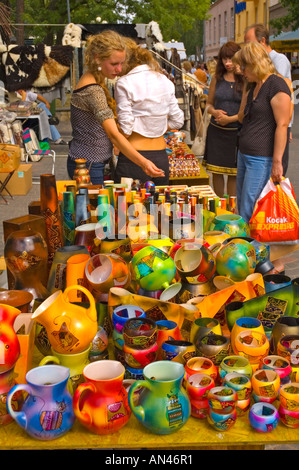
68, 213
51, 212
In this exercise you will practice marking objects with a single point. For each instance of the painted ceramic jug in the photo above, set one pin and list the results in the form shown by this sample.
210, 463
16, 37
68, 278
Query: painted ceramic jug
70, 327
75, 363
163, 405
47, 411
9, 343
101, 403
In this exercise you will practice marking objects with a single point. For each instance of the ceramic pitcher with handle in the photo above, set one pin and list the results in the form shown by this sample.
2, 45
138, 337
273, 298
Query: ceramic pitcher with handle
70, 327
163, 405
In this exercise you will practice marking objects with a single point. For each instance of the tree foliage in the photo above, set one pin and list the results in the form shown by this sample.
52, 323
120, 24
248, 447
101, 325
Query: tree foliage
290, 19
175, 18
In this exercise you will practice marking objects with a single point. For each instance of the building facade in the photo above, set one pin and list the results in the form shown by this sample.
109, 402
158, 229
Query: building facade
219, 27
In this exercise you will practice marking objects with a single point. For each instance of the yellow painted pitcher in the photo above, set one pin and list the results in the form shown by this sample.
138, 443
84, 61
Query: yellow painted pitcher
70, 327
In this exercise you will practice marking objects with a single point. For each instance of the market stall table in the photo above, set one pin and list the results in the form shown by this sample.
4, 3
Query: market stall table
202, 179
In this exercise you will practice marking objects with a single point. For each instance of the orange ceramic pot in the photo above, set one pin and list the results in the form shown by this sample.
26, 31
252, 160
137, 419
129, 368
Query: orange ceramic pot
101, 404
70, 327
167, 330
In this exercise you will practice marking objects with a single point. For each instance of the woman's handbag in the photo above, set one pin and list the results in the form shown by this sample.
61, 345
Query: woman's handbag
275, 218
199, 144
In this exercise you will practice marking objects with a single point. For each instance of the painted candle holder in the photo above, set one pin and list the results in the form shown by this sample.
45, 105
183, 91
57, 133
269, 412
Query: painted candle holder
20, 299
222, 420
280, 365
215, 236
140, 333
253, 345
236, 260
242, 385
238, 364
289, 396
197, 387
123, 313
164, 406
232, 224
201, 365
265, 385
167, 330
221, 398
139, 358
204, 326
289, 418
288, 347
194, 263
214, 347
243, 324
283, 326
276, 281
85, 235
104, 271
263, 417
178, 351
153, 269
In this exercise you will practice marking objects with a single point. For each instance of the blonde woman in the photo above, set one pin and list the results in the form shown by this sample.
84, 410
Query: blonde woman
94, 128
265, 122
146, 108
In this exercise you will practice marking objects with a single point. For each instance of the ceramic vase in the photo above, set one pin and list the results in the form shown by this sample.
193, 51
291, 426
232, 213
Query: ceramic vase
68, 217
81, 173
26, 257
47, 411
50, 210
75, 275
82, 214
58, 271
101, 403
163, 405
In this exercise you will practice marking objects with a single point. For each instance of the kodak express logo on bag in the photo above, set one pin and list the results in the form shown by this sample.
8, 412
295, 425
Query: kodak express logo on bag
275, 217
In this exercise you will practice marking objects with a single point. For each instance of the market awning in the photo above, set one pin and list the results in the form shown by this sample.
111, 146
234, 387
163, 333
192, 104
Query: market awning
286, 42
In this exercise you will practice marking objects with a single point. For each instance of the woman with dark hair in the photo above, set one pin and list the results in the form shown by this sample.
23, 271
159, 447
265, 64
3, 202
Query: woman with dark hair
223, 104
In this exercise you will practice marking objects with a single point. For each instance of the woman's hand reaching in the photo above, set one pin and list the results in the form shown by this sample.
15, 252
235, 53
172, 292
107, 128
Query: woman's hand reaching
151, 170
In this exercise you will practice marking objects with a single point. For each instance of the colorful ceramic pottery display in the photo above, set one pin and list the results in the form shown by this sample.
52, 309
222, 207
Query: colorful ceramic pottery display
101, 403
47, 412
236, 260
153, 269
70, 327
163, 405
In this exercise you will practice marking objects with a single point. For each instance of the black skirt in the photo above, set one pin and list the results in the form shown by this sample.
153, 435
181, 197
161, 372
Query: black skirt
127, 169
221, 150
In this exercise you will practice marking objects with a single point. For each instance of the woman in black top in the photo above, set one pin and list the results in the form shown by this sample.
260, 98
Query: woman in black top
264, 132
223, 104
